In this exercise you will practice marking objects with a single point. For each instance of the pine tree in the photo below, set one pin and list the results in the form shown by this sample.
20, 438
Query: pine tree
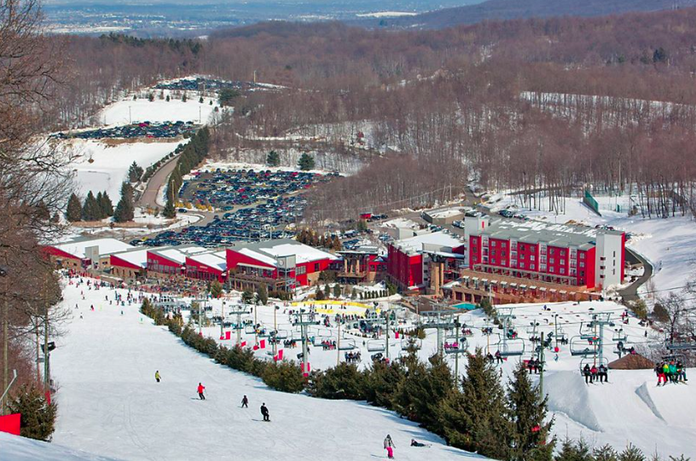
262, 294
319, 296
631, 453
273, 159
527, 411
135, 172
327, 291
106, 206
420, 394
74, 210
216, 289
90, 209
247, 296
38, 416
605, 453
169, 211
306, 162
42, 211
354, 293
125, 209
475, 418
337, 290
574, 451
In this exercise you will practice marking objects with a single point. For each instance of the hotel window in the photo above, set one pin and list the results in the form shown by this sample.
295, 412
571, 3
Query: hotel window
521, 265
551, 260
532, 257
562, 262
562, 271
582, 255
531, 267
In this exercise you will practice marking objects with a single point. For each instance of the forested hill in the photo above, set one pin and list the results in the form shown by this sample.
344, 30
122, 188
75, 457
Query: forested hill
515, 9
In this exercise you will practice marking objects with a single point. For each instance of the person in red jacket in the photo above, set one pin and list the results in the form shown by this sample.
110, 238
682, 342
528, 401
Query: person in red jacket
201, 388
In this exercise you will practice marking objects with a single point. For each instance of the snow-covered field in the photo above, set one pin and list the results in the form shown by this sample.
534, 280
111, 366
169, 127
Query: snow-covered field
14, 448
109, 402
128, 111
110, 163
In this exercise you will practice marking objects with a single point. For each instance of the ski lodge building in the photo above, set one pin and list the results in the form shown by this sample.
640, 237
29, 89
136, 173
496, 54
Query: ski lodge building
511, 260
278, 264
81, 253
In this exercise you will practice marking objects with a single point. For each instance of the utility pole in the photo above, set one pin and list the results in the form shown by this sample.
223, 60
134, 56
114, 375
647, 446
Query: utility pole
386, 343
541, 367
275, 330
47, 356
555, 329
303, 321
338, 345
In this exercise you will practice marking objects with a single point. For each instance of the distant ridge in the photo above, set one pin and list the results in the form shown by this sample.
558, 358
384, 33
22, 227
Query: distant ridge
516, 9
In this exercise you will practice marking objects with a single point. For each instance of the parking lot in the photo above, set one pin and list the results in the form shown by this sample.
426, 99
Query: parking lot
199, 83
255, 205
227, 189
135, 130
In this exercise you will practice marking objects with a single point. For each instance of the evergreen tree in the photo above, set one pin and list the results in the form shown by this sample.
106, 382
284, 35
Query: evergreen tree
226, 96
631, 453
574, 451
90, 209
354, 293
184, 98
74, 210
125, 209
306, 162
42, 211
475, 418
38, 416
200, 100
420, 394
319, 296
273, 159
150, 97
262, 294
605, 453
382, 379
105, 204
337, 290
247, 296
135, 172
169, 211
527, 412
327, 291
167, 98
216, 289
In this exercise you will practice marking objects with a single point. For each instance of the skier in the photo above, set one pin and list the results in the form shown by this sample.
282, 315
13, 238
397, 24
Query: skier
157, 376
245, 402
415, 443
587, 373
264, 412
201, 388
389, 446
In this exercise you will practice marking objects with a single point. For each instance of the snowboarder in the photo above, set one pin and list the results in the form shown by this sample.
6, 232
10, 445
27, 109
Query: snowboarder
389, 446
201, 388
416, 443
264, 412
157, 376
245, 402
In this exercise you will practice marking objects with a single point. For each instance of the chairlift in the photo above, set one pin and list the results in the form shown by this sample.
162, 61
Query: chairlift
619, 335
511, 347
593, 361
455, 344
318, 340
376, 345
580, 346
249, 329
588, 333
346, 344
279, 334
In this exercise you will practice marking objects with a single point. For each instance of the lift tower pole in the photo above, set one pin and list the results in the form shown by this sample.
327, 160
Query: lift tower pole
239, 310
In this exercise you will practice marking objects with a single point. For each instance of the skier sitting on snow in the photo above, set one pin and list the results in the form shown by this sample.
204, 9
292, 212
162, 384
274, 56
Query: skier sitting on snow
201, 388
415, 443
264, 412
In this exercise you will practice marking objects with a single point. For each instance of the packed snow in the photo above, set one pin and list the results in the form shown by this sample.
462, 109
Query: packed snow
15, 448
110, 403
159, 110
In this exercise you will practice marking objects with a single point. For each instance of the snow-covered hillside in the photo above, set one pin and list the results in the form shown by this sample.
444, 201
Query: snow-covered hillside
14, 448
110, 403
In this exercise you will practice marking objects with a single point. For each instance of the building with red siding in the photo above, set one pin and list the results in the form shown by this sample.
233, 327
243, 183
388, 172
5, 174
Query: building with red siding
170, 261
207, 266
563, 254
129, 265
84, 253
278, 264
411, 261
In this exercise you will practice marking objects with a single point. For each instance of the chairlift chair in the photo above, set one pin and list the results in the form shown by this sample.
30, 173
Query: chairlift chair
580, 347
346, 344
376, 345
511, 347
593, 361
279, 334
619, 335
455, 344
249, 329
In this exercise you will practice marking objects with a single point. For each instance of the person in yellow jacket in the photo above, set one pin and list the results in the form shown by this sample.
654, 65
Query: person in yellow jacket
157, 376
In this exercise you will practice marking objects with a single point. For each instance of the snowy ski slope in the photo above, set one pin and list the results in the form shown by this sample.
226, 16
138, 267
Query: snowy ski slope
110, 403
14, 448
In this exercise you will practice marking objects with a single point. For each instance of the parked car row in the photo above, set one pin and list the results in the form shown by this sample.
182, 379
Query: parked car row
135, 130
225, 189
261, 222
195, 84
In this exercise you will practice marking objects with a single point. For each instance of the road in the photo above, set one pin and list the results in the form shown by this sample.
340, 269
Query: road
630, 293
149, 196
